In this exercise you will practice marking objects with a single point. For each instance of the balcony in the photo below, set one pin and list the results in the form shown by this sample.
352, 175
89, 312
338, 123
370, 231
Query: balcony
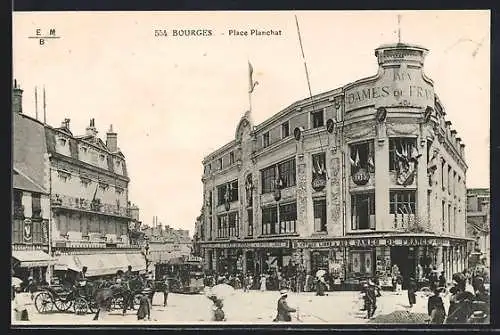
81, 204
93, 240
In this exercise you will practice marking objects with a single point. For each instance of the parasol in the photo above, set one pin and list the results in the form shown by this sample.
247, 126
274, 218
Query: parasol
222, 291
320, 273
16, 281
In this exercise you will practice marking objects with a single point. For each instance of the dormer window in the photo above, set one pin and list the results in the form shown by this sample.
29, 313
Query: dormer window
265, 139
317, 119
118, 163
231, 158
83, 149
102, 157
220, 164
62, 141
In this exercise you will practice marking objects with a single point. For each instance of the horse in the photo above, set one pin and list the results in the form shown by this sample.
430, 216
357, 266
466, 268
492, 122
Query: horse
104, 296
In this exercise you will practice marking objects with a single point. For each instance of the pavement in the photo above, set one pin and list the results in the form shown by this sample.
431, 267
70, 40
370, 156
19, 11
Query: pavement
254, 307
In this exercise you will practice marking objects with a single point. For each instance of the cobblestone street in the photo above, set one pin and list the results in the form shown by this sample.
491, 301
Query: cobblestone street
251, 307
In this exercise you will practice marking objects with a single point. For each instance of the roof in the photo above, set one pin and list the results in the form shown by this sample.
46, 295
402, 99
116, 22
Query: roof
22, 182
478, 191
29, 151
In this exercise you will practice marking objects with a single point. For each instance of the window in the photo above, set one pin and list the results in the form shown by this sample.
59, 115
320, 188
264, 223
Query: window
37, 234
450, 182
36, 205
250, 222
17, 231
400, 147
84, 149
279, 220
231, 158
210, 201
450, 218
286, 172
454, 183
363, 211
220, 164
454, 219
443, 164
233, 224
269, 220
62, 141
222, 227
285, 129
102, 157
362, 156
288, 218
443, 215
268, 176
18, 210
221, 194
402, 208
233, 189
265, 139
319, 215
317, 119
210, 227
318, 164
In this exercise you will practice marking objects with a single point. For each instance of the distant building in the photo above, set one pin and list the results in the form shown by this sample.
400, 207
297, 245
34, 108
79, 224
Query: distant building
166, 243
478, 221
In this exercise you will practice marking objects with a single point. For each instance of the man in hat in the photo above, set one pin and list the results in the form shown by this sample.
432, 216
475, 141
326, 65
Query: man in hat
412, 289
478, 317
144, 305
371, 297
82, 275
283, 309
129, 274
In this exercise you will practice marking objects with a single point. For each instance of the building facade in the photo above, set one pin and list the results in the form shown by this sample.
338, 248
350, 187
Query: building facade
84, 207
30, 197
166, 243
353, 181
478, 222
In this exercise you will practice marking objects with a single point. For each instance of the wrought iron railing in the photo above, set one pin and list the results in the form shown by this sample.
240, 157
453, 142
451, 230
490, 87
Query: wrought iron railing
89, 205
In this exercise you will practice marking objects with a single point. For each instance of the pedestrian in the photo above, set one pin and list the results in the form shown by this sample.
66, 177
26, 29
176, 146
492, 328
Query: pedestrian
442, 280
217, 312
371, 296
20, 304
399, 283
82, 275
129, 274
144, 305
364, 295
320, 286
412, 288
262, 283
283, 310
435, 308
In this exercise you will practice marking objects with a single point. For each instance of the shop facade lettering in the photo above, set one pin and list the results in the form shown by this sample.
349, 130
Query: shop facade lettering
271, 244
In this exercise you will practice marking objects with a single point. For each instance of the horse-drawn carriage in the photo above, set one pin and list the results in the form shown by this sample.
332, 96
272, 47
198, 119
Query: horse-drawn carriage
62, 298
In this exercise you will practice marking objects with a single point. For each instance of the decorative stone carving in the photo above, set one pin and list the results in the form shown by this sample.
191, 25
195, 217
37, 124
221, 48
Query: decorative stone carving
249, 190
402, 129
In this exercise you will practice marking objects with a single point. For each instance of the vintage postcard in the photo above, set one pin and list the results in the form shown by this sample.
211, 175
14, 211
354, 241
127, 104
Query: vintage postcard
303, 167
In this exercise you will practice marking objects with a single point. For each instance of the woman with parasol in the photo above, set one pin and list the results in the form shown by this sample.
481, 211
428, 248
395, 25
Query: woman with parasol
217, 294
320, 283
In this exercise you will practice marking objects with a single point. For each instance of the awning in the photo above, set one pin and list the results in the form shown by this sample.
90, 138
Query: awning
101, 264
32, 258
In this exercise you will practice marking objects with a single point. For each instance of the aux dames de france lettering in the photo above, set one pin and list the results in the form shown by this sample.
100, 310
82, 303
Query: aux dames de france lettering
376, 92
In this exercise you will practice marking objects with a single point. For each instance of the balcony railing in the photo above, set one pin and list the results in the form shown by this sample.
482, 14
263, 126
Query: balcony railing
89, 205
93, 240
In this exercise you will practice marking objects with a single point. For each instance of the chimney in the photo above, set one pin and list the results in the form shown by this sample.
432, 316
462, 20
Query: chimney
17, 98
65, 124
91, 130
112, 140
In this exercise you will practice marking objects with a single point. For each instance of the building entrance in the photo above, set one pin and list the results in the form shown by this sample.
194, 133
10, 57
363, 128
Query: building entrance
404, 258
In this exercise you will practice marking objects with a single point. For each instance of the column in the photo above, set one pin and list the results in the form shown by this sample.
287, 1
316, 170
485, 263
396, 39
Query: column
244, 260
303, 224
382, 181
307, 260
422, 180
439, 258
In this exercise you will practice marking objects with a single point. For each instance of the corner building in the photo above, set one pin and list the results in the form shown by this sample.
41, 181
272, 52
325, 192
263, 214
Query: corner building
353, 181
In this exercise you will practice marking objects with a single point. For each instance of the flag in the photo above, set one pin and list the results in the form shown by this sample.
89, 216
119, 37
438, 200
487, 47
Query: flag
356, 162
251, 83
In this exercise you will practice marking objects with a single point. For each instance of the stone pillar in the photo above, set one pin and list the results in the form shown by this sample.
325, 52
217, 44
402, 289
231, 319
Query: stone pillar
244, 260
382, 181
334, 193
307, 259
206, 257
303, 225
45, 204
26, 202
422, 180
439, 258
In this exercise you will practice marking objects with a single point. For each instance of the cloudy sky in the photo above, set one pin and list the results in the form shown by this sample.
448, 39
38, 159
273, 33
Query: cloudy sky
173, 100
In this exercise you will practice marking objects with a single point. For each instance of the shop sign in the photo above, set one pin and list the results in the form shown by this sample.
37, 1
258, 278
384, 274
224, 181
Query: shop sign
318, 244
410, 241
270, 244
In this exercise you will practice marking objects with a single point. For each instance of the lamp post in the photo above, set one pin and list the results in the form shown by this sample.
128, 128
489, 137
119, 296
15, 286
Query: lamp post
146, 253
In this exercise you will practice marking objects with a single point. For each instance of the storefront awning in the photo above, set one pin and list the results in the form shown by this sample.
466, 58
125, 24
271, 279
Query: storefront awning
32, 258
101, 264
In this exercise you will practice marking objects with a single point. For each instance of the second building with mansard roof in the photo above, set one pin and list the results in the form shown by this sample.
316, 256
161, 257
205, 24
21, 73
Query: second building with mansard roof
365, 178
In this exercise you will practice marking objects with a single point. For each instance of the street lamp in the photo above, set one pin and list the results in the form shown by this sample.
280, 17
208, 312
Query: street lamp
146, 253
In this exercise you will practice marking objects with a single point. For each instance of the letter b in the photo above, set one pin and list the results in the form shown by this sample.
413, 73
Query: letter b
42, 41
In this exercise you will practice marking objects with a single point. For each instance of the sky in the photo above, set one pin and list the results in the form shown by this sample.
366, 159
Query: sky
173, 100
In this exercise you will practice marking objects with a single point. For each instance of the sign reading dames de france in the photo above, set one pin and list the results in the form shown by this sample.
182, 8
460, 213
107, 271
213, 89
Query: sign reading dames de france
392, 87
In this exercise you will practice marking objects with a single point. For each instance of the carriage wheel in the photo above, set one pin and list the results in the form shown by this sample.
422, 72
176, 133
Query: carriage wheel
80, 306
93, 306
63, 305
44, 302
